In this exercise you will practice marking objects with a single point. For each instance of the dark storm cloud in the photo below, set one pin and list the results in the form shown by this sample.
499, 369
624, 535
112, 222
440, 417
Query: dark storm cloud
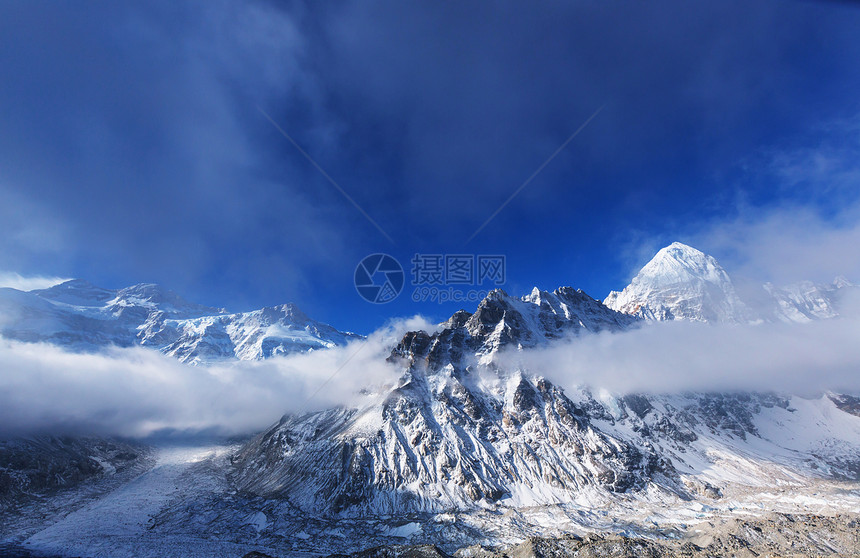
476, 98
127, 136
131, 146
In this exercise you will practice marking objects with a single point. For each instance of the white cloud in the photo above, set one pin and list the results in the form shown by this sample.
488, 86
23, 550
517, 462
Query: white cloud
138, 392
679, 356
22, 283
786, 245
811, 230
805, 224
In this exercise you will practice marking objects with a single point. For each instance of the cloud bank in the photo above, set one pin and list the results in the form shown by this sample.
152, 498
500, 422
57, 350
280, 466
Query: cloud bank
786, 244
138, 392
672, 357
16, 281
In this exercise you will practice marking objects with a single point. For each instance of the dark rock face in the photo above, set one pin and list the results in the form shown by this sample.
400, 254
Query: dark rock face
848, 403
638, 404
733, 412
458, 432
41, 466
453, 433
773, 535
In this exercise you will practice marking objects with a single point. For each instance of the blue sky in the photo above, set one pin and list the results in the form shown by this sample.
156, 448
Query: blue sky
133, 147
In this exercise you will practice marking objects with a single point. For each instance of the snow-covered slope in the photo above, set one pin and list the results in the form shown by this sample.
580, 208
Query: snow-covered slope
502, 320
455, 430
81, 316
459, 432
682, 283
253, 335
807, 301
465, 448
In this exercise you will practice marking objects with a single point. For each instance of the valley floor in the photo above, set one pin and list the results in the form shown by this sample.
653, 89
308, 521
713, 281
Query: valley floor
119, 521
183, 506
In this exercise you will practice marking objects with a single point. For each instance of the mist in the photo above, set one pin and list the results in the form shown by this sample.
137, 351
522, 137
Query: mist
786, 245
28, 283
672, 357
139, 392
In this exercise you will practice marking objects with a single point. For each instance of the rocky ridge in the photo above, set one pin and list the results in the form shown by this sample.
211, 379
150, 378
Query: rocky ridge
80, 316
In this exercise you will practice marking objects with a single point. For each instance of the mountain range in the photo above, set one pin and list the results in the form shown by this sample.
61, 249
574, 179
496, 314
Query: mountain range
682, 283
466, 447
679, 283
80, 316
461, 431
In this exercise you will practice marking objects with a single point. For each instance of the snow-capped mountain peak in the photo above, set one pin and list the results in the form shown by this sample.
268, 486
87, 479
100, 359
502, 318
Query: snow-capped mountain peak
679, 263
82, 316
681, 282
460, 432
806, 301
78, 292
501, 320
461, 445
841, 281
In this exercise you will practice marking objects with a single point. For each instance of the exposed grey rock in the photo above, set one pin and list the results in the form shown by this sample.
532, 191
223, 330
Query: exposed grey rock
41, 466
774, 535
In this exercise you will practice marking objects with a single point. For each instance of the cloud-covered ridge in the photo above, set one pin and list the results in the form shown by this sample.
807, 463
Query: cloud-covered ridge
14, 280
677, 356
138, 392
